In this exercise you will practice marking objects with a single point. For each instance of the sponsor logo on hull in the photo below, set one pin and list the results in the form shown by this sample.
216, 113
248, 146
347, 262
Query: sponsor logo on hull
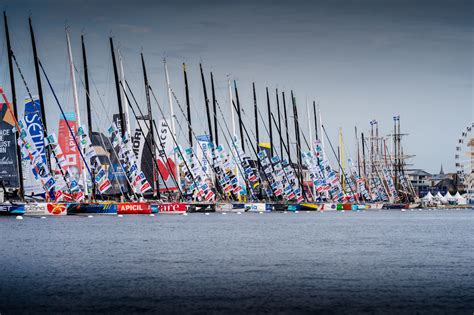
90, 208
134, 208
173, 207
46, 209
12, 209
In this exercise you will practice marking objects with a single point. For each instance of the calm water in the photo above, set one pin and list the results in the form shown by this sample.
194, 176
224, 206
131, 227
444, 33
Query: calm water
414, 261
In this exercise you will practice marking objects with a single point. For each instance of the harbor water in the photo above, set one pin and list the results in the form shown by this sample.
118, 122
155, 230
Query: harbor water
415, 261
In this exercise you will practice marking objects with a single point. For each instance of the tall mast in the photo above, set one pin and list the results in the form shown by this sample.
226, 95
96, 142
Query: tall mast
363, 154
298, 140
88, 100
86, 83
76, 105
156, 181
256, 116
358, 149
206, 103
125, 101
321, 126
40, 89
309, 127
286, 125
117, 88
279, 122
188, 105
270, 123
214, 109
315, 120
341, 159
15, 110
231, 108
240, 116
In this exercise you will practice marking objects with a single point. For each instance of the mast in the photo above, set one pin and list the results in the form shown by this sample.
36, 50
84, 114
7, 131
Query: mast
363, 154
214, 109
341, 159
125, 101
188, 105
88, 101
279, 121
309, 128
206, 103
286, 125
231, 108
40, 89
156, 181
256, 116
358, 149
315, 120
321, 126
15, 110
298, 140
240, 116
117, 88
76, 106
86, 82
270, 124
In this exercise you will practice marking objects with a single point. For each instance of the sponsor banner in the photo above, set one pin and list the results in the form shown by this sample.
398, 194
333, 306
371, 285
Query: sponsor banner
173, 207
203, 154
133, 208
32, 119
8, 159
12, 209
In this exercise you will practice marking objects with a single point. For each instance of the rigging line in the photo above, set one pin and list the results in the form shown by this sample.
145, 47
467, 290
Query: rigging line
186, 165
153, 140
204, 155
286, 149
100, 134
239, 165
144, 136
228, 131
67, 123
197, 141
45, 132
255, 152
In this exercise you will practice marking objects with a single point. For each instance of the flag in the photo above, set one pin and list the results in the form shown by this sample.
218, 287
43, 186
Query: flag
104, 186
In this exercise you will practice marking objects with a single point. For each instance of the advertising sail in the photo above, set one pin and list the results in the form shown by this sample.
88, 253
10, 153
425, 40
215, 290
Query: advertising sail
166, 158
69, 148
8, 159
34, 127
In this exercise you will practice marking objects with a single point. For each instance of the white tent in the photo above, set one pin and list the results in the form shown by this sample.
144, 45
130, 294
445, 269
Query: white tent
448, 198
460, 199
428, 197
439, 197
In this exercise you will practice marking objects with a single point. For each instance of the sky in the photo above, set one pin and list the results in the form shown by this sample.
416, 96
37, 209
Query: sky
359, 60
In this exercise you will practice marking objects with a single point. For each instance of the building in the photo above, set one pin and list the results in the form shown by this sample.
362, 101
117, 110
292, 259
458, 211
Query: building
424, 182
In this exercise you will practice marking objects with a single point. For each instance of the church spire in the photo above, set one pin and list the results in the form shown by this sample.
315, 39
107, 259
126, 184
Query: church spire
441, 172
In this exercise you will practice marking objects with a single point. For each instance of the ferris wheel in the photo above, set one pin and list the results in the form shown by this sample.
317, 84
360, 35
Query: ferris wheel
465, 161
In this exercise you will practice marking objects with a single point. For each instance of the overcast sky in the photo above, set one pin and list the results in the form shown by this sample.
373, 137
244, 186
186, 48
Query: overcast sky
360, 60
